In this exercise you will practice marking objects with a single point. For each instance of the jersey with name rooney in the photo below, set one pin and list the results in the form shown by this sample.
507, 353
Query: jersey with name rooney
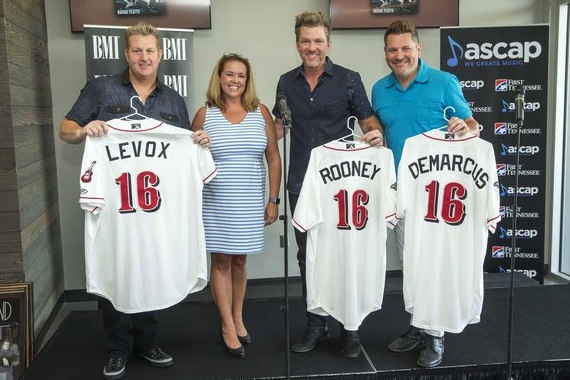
346, 201
448, 192
141, 189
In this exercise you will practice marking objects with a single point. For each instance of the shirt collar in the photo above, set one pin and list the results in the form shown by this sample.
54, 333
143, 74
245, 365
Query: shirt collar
423, 73
126, 80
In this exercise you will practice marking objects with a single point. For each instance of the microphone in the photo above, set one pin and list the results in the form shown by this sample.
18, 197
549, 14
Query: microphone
284, 109
519, 104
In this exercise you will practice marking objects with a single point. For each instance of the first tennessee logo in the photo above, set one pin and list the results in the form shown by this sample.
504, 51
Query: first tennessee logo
501, 85
498, 252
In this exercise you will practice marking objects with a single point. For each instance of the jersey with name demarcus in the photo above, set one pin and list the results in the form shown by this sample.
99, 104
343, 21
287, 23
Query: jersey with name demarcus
141, 189
346, 201
448, 191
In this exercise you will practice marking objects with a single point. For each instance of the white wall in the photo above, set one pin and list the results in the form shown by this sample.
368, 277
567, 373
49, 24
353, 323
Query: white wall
262, 30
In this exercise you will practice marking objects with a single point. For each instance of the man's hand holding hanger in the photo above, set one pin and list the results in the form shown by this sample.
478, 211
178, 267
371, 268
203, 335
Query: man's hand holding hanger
373, 138
461, 127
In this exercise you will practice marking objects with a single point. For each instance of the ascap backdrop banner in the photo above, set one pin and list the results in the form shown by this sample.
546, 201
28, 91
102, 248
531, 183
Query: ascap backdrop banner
104, 55
491, 63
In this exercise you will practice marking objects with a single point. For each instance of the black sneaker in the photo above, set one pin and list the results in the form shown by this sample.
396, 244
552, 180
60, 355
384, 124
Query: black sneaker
158, 358
114, 369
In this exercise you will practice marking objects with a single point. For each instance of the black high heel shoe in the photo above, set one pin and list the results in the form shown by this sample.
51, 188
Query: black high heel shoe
245, 340
233, 352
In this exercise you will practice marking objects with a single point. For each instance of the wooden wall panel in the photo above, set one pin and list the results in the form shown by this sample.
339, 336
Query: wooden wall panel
7, 158
7, 200
30, 241
8, 181
11, 242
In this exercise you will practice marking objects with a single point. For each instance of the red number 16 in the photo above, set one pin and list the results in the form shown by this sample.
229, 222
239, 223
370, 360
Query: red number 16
148, 196
452, 207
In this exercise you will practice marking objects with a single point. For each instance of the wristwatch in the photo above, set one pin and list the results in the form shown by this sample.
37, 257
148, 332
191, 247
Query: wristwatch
274, 200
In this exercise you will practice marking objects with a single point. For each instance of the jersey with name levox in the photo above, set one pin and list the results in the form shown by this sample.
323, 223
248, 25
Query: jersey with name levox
346, 201
448, 192
141, 189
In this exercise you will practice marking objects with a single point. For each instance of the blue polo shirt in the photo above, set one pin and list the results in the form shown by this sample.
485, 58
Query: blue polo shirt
107, 98
418, 108
321, 115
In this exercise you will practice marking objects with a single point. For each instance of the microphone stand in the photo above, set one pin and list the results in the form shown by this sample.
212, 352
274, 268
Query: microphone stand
285, 242
520, 121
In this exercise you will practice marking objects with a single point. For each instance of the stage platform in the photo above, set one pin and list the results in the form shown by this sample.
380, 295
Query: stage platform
190, 333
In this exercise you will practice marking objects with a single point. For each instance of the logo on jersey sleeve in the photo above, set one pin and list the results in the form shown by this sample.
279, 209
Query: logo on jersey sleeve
87, 176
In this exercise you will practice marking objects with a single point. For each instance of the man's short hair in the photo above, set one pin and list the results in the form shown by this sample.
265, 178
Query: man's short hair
311, 20
402, 27
143, 29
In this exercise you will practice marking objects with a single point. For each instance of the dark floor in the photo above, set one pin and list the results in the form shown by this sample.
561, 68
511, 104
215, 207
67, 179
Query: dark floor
189, 331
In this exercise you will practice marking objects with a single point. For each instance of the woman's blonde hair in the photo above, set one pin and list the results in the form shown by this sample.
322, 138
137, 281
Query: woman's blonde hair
249, 99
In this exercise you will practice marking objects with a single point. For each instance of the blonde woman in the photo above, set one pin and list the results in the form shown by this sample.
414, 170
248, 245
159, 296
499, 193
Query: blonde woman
235, 209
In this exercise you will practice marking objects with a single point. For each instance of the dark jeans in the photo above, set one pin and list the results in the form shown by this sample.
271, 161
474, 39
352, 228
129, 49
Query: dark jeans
313, 320
127, 334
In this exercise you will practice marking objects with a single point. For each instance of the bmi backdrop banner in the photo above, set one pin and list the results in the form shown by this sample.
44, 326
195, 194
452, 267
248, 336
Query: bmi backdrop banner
490, 63
104, 55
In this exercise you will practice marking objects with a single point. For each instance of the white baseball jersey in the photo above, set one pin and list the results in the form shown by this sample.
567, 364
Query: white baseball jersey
347, 198
141, 189
448, 192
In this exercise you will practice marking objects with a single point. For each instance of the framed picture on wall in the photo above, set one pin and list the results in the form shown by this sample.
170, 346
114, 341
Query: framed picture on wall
140, 8
16, 329
369, 14
187, 14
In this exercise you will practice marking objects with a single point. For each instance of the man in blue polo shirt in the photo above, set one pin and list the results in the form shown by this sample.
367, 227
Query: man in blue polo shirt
409, 101
321, 96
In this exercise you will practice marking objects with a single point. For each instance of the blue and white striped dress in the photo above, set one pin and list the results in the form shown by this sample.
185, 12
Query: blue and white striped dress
234, 200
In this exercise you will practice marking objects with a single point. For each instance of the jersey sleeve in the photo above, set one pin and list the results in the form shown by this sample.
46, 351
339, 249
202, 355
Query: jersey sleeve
493, 196
208, 168
389, 191
308, 211
404, 182
92, 178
